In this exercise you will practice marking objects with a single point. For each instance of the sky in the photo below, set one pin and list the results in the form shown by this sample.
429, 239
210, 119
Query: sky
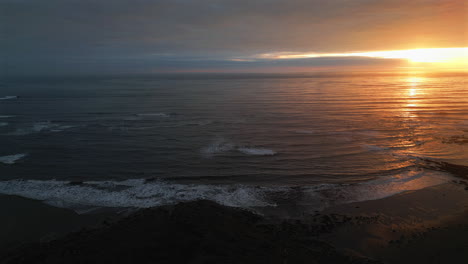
159, 36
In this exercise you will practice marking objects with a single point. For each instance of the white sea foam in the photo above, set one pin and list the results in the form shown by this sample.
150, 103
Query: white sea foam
218, 146
9, 97
50, 126
140, 193
257, 151
196, 123
40, 127
12, 159
221, 145
131, 193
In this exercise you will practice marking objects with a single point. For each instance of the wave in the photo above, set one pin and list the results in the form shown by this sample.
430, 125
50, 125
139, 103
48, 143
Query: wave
257, 151
217, 147
374, 148
142, 193
6, 116
196, 123
41, 127
172, 122
12, 159
153, 115
459, 171
366, 133
346, 136
305, 131
49, 126
9, 97
329, 195
3, 124
191, 123
220, 146
137, 193
459, 139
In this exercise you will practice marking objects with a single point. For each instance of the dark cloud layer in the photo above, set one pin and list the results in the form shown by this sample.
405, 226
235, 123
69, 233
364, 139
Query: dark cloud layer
142, 35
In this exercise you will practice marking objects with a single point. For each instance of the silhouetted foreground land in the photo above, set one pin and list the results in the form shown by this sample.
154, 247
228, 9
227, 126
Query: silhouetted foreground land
194, 232
425, 226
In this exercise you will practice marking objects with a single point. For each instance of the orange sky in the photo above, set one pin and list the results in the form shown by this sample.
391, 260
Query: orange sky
423, 59
113, 36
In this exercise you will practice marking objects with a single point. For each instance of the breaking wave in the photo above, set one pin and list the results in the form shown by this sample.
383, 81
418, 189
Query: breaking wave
220, 146
12, 159
142, 193
136, 193
9, 97
257, 151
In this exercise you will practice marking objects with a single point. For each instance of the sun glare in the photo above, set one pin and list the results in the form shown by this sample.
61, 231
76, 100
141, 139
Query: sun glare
443, 55
447, 56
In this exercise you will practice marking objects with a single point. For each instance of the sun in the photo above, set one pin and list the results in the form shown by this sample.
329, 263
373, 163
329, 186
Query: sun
440, 55
427, 56
434, 56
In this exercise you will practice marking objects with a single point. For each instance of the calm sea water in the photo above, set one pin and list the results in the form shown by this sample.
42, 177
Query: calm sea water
242, 140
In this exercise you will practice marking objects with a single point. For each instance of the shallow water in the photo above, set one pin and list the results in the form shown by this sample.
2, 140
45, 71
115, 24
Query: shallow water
242, 140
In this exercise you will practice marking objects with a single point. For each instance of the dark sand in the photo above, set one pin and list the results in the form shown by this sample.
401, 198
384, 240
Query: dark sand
193, 232
424, 226
24, 220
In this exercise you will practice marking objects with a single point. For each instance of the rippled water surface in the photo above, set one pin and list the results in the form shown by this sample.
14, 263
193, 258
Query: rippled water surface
255, 131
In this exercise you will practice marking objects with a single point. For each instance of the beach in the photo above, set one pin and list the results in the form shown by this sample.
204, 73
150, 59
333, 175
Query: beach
424, 226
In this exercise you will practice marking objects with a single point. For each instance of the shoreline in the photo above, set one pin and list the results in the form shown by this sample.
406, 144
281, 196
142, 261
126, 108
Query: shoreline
426, 225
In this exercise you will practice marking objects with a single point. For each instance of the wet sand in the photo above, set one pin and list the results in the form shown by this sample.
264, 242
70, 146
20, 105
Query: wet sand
424, 226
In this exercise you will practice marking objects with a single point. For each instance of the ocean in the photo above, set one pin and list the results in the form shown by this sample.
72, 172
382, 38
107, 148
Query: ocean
246, 140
